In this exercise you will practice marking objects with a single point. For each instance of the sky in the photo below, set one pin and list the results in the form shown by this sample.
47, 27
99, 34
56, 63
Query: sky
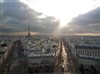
50, 16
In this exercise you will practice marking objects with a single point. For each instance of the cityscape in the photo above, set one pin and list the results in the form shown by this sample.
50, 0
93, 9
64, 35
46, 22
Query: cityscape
34, 43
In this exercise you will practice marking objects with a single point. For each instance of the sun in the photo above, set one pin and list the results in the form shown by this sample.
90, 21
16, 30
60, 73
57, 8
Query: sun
64, 10
63, 23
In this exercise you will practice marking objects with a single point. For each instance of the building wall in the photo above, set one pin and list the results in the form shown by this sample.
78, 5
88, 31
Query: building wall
88, 55
38, 60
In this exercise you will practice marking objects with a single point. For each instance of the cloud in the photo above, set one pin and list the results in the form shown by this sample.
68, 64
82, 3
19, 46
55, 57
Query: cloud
11, 0
16, 16
86, 23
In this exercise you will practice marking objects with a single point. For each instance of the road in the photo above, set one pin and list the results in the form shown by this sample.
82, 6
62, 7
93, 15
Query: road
71, 59
61, 60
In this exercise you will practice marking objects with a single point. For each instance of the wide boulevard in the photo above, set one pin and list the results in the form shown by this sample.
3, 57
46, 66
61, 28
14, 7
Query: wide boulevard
63, 64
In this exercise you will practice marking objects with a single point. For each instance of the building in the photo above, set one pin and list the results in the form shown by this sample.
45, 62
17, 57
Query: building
36, 56
87, 55
40, 52
4, 51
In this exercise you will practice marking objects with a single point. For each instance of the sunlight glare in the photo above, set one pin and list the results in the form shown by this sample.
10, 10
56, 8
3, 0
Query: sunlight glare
64, 10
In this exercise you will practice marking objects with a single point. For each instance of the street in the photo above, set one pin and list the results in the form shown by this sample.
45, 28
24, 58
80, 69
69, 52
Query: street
62, 64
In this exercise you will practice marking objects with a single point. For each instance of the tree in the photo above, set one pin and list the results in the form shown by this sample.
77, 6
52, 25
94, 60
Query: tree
81, 68
93, 70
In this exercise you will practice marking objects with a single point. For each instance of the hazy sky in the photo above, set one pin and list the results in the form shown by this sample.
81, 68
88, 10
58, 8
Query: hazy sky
50, 16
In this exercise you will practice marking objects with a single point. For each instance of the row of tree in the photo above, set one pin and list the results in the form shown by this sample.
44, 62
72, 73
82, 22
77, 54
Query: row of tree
91, 70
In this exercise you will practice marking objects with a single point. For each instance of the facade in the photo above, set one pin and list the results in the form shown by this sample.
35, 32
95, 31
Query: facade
41, 60
88, 55
4, 50
4, 53
37, 56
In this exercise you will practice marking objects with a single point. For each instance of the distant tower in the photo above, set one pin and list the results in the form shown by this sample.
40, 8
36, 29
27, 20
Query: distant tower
29, 31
